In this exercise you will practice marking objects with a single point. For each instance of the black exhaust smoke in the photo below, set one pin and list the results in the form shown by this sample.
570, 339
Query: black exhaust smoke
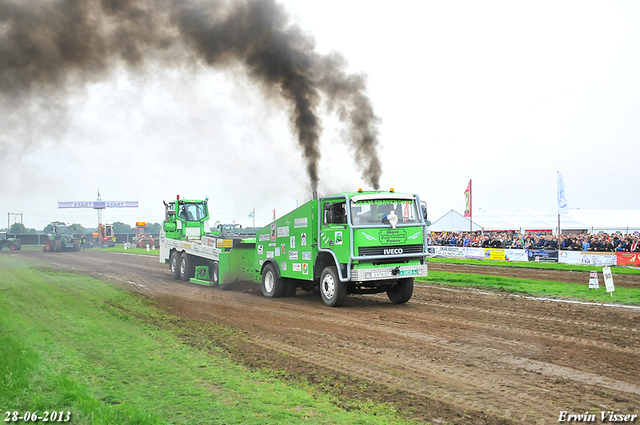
49, 49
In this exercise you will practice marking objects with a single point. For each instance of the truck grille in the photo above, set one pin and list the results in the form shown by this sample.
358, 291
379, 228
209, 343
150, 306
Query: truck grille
389, 250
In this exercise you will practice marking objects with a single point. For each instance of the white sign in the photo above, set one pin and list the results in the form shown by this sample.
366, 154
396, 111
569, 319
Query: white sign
283, 232
608, 279
593, 280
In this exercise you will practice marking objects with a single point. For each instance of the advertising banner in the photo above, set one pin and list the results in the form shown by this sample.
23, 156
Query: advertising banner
586, 258
600, 259
542, 255
571, 257
628, 259
494, 254
515, 255
99, 204
446, 251
475, 253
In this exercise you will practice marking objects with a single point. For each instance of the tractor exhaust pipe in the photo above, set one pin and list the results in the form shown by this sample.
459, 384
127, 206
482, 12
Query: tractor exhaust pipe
315, 195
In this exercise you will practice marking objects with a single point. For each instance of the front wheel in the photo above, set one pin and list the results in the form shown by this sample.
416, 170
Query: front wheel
215, 274
272, 285
333, 291
402, 291
187, 267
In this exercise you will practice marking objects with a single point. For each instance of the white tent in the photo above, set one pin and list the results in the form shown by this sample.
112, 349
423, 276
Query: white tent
578, 220
608, 221
453, 221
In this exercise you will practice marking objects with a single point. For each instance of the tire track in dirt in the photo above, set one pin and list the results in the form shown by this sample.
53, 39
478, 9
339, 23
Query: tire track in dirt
505, 359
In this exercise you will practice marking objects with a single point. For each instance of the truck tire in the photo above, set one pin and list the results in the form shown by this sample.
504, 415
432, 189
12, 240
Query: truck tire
333, 291
187, 267
272, 285
174, 264
57, 246
402, 291
215, 274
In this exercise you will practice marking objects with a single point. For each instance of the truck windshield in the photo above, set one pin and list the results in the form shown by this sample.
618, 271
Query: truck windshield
376, 211
192, 211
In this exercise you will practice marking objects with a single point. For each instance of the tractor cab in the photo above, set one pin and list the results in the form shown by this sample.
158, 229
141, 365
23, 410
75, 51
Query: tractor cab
186, 219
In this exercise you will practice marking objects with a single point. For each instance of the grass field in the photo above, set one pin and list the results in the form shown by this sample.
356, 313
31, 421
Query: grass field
70, 343
535, 287
539, 288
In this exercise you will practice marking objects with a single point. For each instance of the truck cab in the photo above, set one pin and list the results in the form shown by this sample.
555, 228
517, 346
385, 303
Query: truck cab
186, 219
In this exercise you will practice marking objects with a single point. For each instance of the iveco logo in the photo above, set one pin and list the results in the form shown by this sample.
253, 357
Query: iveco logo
390, 251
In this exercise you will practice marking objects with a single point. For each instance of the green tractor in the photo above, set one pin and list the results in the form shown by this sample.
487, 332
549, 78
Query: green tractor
61, 239
233, 229
14, 244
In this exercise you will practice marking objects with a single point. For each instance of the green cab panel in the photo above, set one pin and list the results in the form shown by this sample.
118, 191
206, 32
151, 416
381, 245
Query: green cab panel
290, 242
389, 237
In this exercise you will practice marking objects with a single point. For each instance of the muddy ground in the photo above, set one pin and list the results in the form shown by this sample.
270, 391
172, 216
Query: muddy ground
450, 355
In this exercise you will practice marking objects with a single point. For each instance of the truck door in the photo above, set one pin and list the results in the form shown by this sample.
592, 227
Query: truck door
335, 230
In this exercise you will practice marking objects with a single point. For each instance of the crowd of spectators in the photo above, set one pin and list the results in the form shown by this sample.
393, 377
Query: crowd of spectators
601, 242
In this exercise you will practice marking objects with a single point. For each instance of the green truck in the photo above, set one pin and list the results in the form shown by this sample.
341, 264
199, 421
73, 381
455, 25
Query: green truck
362, 242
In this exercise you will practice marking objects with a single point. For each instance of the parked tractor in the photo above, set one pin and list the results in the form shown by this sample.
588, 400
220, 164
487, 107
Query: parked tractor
142, 238
61, 239
14, 244
105, 236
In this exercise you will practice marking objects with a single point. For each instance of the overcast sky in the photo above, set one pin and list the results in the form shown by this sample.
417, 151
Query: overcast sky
504, 93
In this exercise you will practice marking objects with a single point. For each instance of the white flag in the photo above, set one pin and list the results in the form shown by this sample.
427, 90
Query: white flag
563, 206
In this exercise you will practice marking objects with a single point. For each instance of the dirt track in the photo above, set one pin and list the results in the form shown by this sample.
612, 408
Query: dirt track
448, 356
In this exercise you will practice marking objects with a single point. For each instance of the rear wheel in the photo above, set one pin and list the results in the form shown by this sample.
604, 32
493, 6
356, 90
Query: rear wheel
333, 291
215, 274
174, 265
187, 267
402, 291
272, 285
